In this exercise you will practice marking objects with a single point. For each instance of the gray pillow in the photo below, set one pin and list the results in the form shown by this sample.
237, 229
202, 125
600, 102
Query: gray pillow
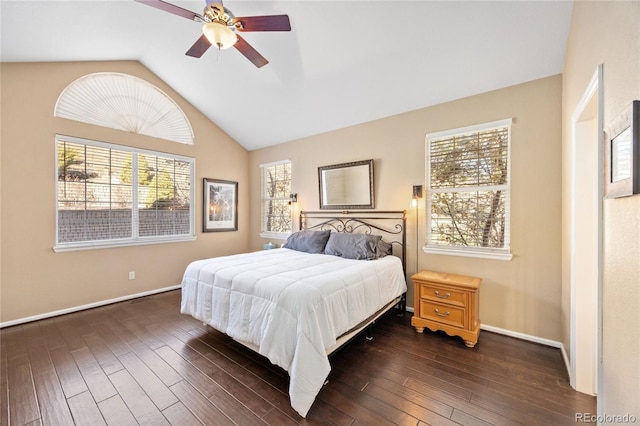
353, 246
307, 241
384, 248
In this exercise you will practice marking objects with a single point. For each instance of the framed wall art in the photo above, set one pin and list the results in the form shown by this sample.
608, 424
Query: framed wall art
220, 205
622, 154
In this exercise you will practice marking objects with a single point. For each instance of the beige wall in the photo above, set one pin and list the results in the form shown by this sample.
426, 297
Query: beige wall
608, 33
34, 279
521, 295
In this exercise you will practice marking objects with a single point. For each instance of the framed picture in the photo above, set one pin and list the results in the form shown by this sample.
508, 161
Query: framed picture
622, 154
220, 205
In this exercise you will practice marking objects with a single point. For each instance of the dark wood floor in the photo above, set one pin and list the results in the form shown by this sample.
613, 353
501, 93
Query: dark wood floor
141, 362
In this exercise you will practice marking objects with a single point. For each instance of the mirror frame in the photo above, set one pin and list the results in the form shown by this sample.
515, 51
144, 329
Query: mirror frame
324, 206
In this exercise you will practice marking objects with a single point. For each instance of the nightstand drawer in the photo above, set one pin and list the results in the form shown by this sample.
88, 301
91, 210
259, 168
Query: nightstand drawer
441, 313
442, 295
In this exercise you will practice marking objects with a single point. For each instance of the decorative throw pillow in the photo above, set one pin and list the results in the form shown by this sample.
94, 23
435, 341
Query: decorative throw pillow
307, 241
353, 246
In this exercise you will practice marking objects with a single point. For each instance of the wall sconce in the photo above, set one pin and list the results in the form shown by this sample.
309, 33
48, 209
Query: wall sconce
293, 198
417, 191
417, 194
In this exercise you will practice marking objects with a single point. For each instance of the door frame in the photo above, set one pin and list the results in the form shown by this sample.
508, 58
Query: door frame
593, 358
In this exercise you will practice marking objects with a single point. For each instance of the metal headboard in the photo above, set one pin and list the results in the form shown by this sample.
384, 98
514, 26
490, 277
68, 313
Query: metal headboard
391, 225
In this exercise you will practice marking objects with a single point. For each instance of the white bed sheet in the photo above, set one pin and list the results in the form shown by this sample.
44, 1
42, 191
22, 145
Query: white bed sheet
291, 305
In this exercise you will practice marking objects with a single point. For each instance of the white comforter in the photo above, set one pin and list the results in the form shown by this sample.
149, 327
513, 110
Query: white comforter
290, 305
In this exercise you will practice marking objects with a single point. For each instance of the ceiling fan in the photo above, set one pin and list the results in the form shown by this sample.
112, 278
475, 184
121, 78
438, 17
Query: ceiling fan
220, 28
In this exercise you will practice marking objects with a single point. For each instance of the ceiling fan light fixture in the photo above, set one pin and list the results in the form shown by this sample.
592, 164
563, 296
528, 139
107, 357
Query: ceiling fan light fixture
219, 35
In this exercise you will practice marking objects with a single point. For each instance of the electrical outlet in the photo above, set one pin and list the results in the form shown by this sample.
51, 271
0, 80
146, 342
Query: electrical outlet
132, 275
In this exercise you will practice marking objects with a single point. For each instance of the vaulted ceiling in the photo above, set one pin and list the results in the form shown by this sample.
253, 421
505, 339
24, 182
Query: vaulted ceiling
343, 63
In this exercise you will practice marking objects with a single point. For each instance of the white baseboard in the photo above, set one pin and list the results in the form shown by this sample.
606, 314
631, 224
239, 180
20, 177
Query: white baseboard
88, 306
535, 339
567, 364
522, 336
528, 337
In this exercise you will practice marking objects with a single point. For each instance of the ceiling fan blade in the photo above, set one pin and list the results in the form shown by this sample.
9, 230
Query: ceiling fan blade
263, 23
199, 47
251, 54
172, 8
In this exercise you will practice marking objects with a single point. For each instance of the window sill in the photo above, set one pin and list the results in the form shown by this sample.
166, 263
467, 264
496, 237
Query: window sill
468, 253
118, 243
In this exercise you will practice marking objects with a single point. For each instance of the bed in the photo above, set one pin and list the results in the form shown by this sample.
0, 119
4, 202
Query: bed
298, 304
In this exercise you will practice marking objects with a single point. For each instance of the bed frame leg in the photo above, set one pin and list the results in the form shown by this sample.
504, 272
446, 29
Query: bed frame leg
402, 305
369, 335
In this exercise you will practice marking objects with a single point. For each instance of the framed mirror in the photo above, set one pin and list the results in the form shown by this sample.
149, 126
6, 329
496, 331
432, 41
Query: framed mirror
622, 159
346, 186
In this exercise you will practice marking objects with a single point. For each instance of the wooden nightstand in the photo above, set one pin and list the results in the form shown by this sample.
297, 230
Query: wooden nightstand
447, 302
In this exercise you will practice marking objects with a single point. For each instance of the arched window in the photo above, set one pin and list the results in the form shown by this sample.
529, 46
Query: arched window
124, 102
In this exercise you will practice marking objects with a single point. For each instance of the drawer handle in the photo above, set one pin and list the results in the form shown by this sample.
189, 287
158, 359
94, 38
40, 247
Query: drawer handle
440, 314
446, 296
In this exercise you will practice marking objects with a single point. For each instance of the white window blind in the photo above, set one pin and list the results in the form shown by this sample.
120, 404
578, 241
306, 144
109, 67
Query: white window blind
276, 188
116, 195
468, 189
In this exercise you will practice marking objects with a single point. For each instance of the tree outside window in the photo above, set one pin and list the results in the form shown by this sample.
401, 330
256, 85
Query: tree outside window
468, 188
276, 187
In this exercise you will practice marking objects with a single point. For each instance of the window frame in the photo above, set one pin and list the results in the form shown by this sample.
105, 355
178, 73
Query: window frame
502, 253
136, 239
263, 199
